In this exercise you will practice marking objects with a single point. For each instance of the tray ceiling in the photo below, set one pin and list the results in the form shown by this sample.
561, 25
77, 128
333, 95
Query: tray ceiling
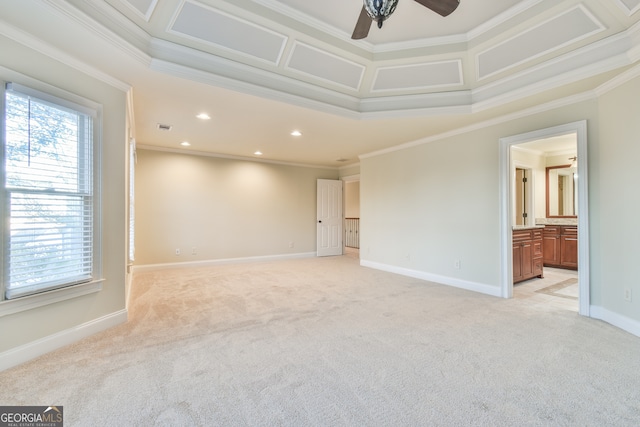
481, 59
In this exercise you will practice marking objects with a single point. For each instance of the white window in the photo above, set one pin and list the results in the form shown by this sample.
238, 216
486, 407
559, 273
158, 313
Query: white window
49, 199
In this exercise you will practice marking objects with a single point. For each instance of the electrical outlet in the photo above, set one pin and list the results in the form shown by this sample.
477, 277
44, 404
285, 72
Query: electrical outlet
291, 244
456, 263
194, 251
177, 251
627, 294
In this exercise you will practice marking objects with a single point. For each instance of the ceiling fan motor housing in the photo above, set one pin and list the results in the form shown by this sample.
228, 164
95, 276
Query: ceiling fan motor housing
379, 10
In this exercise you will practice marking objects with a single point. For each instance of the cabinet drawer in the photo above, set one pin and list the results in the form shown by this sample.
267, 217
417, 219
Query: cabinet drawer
570, 231
521, 235
551, 230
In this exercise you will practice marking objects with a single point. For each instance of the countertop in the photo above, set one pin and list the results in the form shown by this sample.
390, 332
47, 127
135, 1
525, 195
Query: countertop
526, 227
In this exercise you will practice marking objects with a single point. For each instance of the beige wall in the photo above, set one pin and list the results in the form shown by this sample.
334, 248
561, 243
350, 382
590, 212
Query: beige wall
32, 325
420, 214
615, 201
223, 208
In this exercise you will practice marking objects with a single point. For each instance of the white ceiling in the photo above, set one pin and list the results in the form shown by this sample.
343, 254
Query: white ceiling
262, 68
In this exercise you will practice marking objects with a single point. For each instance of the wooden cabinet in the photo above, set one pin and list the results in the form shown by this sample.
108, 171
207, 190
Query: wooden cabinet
561, 246
527, 254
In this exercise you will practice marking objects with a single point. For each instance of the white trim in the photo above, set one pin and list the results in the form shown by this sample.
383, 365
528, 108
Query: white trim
230, 157
626, 9
541, 108
29, 351
53, 52
12, 306
436, 278
623, 322
350, 178
225, 261
107, 33
146, 16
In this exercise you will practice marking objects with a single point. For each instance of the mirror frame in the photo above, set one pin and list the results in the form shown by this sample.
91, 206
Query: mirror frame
547, 192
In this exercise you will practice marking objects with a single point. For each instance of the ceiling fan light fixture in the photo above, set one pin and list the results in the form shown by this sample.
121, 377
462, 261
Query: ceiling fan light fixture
379, 10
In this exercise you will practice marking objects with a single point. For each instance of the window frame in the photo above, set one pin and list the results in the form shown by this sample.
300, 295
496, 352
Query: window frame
61, 97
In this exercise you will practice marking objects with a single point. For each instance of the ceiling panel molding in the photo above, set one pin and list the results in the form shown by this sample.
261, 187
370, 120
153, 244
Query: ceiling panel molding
205, 24
597, 58
547, 37
629, 7
143, 8
328, 67
424, 76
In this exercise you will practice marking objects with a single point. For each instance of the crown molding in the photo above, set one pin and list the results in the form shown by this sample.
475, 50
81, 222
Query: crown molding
134, 45
53, 52
232, 157
571, 100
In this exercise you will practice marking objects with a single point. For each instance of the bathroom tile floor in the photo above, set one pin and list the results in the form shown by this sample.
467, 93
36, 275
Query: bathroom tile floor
558, 288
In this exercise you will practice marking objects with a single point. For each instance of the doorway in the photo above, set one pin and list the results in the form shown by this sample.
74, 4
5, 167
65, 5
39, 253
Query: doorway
507, 209
352, 216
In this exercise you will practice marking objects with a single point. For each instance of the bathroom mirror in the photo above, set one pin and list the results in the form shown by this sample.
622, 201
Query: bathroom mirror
562, 192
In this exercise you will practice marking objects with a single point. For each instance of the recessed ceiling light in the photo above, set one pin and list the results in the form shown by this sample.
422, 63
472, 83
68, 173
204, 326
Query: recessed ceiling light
296, 133
185, 144
258, 153
203, 116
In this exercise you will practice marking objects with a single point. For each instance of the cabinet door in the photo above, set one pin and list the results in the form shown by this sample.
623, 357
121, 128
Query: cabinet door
527, 259
517, 262
569, 248
551, 246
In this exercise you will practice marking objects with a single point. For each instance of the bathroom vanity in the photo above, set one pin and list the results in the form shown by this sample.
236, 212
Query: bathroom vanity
527, 253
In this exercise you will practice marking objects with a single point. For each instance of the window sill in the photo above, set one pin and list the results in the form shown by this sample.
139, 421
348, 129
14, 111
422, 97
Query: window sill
30, 302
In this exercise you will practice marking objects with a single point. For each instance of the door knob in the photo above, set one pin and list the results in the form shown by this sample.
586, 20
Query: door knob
320, 221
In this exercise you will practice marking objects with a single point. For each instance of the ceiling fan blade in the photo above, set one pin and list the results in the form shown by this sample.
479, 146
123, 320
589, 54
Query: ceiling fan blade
441, 7
362, 26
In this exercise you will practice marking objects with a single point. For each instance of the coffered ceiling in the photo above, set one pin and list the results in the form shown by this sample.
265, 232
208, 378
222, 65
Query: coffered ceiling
261, 68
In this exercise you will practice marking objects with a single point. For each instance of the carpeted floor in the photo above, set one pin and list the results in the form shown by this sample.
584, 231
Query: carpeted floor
325, 342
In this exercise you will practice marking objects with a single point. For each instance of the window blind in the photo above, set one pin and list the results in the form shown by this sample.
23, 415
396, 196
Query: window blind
48, 170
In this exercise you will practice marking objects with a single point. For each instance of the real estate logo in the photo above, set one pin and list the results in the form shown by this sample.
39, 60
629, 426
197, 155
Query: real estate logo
31, 416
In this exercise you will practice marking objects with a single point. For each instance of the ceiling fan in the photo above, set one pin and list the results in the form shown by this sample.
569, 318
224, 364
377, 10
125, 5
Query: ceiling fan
379, 10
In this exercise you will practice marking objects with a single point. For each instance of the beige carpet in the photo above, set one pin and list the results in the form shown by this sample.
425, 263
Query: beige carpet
325, 342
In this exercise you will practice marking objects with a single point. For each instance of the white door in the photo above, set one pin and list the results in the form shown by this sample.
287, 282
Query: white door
329, 226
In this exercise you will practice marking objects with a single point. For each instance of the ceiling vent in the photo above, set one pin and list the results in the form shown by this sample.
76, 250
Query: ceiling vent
164, 127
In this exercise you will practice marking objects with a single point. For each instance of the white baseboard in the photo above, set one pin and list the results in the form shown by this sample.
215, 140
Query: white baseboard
444, 280
26, 352
214, 262
626, 324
